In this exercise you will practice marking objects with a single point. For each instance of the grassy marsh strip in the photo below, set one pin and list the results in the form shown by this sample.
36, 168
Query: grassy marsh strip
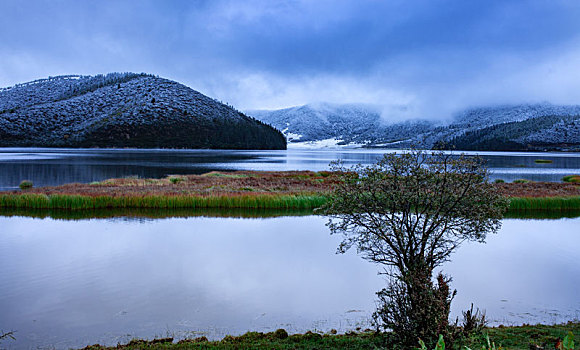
78, 202
303, 202
544, 204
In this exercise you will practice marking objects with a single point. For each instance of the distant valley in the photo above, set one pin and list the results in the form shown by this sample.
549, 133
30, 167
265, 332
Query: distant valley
124, 110
525, 127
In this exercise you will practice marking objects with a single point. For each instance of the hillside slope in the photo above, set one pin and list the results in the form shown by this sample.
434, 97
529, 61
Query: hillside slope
539, 133
348, 123
510, 127
124, 110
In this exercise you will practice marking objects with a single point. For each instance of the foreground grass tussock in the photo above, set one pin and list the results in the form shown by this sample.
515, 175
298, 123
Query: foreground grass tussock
571, 178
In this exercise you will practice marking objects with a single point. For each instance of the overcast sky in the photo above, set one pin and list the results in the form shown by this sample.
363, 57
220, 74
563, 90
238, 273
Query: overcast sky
415, 58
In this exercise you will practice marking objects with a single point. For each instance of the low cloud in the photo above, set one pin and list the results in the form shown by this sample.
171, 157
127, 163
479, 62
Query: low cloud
413, 59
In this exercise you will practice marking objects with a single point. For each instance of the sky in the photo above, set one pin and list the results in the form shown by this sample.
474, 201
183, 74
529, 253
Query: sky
414, 58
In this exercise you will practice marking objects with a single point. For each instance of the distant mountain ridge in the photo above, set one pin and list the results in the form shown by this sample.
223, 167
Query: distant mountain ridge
539, 127
349, 123
124, 110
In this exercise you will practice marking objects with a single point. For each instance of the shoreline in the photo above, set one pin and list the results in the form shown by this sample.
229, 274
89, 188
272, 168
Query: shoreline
525, 336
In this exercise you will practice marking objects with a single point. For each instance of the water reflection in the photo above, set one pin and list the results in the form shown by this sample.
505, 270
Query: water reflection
80, 282
153, 214
527, 273
73, 283
46, 167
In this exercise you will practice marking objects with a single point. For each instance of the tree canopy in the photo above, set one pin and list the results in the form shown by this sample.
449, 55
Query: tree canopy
414, 208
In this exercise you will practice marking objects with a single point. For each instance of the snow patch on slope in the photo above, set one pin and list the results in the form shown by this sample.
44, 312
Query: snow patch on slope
326, 143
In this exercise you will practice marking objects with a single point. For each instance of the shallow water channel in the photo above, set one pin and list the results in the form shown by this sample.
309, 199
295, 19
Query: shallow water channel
70, 283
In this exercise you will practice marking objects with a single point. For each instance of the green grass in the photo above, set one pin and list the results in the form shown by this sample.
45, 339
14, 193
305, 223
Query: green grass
232, 176
571, 178
25, 184
543, 161
77, 202
521, 337
249, 201
255, 340
547, 204
175, 180
511, 338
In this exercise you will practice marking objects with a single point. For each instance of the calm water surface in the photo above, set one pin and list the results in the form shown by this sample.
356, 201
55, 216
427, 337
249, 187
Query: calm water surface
57, 166
73, 283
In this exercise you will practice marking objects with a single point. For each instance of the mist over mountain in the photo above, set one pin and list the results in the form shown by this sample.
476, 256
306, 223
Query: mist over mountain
509, 127
348, 123
124, 110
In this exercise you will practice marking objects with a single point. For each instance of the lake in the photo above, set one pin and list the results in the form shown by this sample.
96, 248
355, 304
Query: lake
70, 283
47, 167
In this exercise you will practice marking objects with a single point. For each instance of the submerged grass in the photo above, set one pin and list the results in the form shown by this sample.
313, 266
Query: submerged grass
161, 213
152, 213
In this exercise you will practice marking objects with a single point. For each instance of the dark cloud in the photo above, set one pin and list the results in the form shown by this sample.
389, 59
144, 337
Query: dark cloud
432, 56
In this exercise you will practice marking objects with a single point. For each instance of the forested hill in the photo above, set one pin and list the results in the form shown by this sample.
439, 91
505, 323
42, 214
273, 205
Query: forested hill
539, 133
124, 110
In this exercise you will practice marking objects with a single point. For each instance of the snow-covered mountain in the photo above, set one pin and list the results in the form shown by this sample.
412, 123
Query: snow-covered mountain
345, 123
124, 110
532, 127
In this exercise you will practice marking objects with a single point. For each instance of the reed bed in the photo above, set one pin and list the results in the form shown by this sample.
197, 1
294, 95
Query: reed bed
79, 202
520, 207
544, 203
